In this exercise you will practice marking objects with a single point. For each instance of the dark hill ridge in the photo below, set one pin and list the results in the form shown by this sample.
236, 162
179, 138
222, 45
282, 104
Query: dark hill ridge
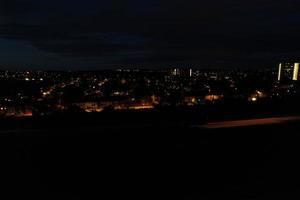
152, 163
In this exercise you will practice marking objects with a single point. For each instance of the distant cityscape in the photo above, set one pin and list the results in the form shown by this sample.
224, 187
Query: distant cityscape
41, 93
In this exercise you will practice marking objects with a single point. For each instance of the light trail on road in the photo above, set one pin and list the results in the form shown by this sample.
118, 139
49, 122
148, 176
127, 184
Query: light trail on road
250, 122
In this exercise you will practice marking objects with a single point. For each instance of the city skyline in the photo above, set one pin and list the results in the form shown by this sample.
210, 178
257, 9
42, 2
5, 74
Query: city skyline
152, 34
149, 99
40, 93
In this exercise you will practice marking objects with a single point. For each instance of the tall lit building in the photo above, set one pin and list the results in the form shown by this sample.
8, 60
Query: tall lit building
191, 72
279, 72
296, 72
288, 72
175, 72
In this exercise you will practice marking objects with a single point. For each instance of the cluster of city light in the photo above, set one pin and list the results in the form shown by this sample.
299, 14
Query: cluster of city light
257, 95
134, 91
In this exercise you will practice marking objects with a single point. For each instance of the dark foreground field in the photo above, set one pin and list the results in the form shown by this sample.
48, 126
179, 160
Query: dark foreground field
151, 163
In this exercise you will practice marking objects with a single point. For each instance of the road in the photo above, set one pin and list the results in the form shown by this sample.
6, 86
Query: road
250, 122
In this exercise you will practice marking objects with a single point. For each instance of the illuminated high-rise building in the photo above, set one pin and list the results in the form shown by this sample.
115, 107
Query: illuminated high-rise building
279, 72
175, 72
296, 72
288, 72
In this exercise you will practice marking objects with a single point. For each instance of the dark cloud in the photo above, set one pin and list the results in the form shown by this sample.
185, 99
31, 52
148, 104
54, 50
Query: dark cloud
156, 32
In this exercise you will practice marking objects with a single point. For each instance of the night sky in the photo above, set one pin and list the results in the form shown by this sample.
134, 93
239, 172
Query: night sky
98, 34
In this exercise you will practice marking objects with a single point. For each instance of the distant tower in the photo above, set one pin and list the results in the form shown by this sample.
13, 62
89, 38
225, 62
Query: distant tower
296, 72
279, 72
191, 72
176, 72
